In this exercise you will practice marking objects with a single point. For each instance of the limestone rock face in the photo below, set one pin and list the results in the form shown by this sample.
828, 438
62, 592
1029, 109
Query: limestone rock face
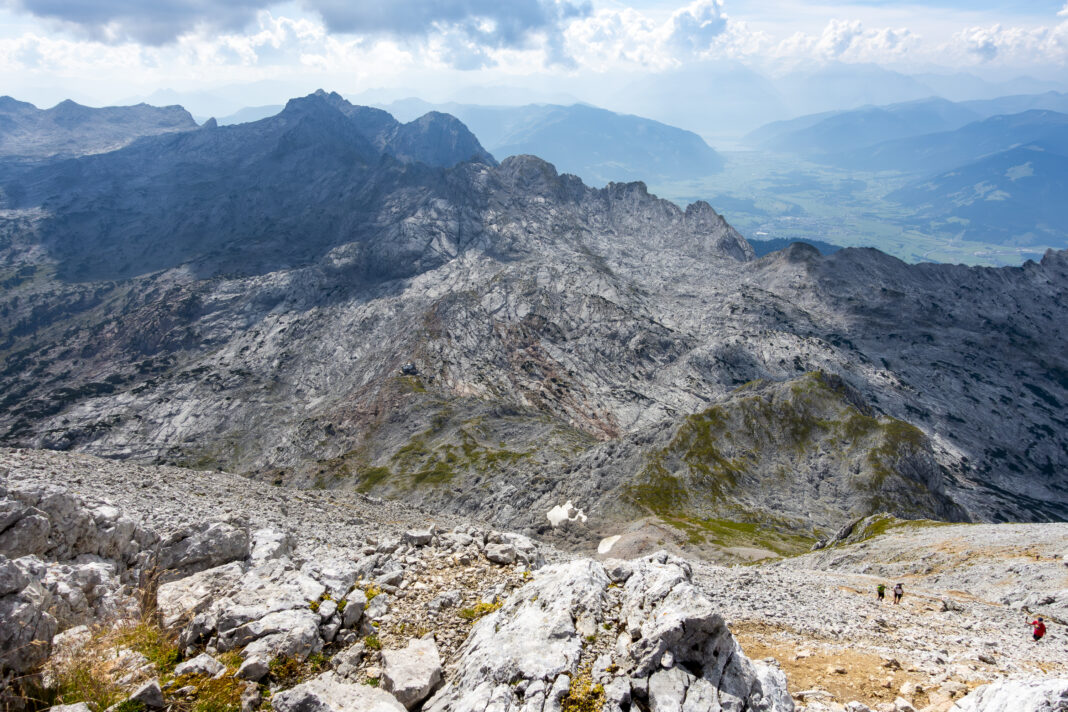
51, 522
202, 664
26, 626
186, 597
1025, 695
328, 693
413, 672
200, 547
677, 648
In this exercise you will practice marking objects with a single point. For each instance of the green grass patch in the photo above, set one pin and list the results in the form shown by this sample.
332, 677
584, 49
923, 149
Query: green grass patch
879, 524
726, 533
479, 610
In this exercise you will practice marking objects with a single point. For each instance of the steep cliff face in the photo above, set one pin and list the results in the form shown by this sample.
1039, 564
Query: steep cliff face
245, 297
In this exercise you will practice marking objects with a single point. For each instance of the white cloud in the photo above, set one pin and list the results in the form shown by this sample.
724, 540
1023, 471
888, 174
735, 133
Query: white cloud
554, 39
1014, 45
696, 27
849, 41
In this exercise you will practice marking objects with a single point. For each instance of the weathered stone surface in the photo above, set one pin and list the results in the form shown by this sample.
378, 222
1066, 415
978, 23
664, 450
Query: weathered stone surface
1025, 695
253, 668
328, 693
202, 664
50, 521
12, 578
26, 627
501, 553
201, 546
150, 694
418, 537
677, 649
413, 672
26, 531
78, 707
87, 591
181, 599
532, 637
267, 544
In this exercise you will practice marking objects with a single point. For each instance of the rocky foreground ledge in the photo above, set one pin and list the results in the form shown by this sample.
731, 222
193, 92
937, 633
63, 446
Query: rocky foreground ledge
129, 588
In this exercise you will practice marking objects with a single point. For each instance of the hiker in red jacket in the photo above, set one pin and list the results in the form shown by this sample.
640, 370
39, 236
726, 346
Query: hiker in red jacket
1040, 629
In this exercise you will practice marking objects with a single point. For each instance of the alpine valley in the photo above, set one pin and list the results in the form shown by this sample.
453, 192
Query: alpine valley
328, 298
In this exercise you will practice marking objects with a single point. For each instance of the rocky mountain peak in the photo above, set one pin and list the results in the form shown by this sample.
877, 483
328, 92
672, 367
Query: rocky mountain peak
10, 104
440, 139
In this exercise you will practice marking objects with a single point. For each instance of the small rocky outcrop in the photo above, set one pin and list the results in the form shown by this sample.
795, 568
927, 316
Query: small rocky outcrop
413, 672
1024, 695
639, 630
26, 626
328, 693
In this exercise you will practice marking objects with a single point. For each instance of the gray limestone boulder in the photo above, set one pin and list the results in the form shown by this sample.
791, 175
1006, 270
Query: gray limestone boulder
149, 694
501, 553
199, 547
267, 544
418, 537
675, 647
26, 626
50, 521
1026, 695
253, 668
412, 673
78, 707
202, 664
87, 591
355, 603
328, 693
266, 610
25, 530
533, 637
182, 599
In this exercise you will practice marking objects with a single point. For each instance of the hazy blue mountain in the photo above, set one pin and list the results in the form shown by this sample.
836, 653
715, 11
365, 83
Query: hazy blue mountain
1012, 197
250, 113
965, 87
835, 132
847, 86
597, 145
69, 129
944, 151
709, 98
1018, 103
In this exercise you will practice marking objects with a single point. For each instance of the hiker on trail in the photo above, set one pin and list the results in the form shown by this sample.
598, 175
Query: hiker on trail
899, 591
1039, 628
880, 591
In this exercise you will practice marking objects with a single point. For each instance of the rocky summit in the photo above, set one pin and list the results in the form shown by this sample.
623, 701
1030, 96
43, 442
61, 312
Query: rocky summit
328, 298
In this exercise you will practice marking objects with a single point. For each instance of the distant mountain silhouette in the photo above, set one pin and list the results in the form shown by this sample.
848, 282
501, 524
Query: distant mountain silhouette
597, 145
69, 129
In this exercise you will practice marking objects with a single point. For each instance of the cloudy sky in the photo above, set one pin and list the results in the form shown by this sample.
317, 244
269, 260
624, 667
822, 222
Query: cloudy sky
100, 51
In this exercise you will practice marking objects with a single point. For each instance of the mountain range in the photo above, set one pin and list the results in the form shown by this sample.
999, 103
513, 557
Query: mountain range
878, 137
597, 145
331, 298
69, 129
983, 178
